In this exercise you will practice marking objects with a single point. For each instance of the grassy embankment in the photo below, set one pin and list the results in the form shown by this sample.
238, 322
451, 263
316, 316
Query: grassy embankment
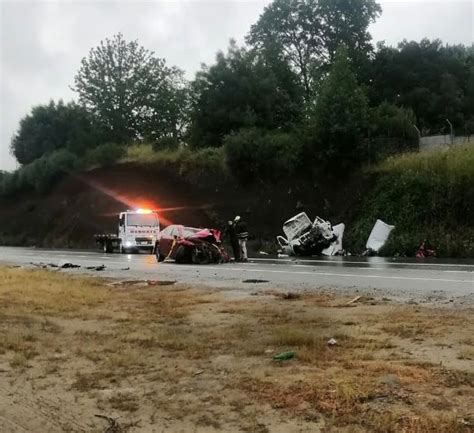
178, 358
426, 196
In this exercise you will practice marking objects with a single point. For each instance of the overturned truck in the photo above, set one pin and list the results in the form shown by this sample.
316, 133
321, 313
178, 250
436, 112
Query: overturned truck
307, 238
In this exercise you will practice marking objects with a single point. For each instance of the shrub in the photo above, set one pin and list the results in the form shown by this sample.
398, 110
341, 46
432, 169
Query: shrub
165, 143
40, 174
105, 155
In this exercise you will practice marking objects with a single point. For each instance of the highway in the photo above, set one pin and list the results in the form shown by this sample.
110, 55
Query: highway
437, 281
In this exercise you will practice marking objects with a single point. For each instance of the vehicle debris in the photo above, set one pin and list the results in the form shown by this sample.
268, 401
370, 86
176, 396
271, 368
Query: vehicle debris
353, 300
289, 296
424, 251
190, 245
66, 265
96, 268
306, 238
332, 342
254, 281
378, 237
284, 356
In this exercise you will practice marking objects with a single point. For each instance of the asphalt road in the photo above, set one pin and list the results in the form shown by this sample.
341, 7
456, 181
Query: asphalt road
421, 281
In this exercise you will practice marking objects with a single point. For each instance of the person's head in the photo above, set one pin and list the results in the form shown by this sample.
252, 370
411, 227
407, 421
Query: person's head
237, 219
229, 222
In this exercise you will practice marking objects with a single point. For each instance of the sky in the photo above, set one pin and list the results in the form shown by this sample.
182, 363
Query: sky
43, 42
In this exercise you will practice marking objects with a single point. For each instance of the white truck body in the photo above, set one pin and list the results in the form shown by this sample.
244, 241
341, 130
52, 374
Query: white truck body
137, 230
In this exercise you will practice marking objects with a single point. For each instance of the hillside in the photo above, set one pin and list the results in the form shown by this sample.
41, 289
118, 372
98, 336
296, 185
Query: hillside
87, 202
426, 196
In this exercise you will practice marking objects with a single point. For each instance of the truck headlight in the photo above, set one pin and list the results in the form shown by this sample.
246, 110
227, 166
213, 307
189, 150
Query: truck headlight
128, 244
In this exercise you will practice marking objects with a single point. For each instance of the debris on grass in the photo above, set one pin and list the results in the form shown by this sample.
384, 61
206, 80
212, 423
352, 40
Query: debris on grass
284, 356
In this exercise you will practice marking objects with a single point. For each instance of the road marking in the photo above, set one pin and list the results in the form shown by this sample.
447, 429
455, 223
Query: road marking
329, 274
369, 263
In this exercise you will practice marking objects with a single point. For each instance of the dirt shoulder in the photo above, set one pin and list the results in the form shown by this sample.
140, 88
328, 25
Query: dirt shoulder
176, 358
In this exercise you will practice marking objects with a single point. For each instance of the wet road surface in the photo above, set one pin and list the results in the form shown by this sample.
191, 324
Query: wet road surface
427, 280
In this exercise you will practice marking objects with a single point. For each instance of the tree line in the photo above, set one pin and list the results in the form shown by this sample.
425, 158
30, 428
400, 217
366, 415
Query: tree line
308, 88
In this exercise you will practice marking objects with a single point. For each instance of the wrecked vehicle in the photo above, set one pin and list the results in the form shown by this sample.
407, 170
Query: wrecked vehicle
190, 245
306, 238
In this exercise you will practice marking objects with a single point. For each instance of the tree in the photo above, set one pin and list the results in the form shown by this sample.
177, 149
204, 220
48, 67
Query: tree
132, 92
308, 32
340, 116
426, 76
242, 90
52, 127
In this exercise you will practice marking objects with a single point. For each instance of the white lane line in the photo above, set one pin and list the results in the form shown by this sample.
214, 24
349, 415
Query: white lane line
329, 274
342, 262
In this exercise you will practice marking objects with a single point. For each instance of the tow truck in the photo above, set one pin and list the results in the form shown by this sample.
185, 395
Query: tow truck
137, 230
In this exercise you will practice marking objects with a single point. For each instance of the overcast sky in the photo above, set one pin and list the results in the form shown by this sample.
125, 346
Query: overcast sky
42, 42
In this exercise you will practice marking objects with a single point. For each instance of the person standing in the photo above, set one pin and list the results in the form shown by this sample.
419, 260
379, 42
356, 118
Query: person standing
242, 235
231, 233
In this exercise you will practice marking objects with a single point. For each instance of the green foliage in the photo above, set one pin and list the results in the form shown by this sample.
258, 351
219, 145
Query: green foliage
165, 143
105, 155
242, 90
52, 127
40, 174
436, 81
256, 155
195, 166
307, 33
426, 196
340, 118
132, 92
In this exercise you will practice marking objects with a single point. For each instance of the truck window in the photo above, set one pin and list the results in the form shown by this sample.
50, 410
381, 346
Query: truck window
122, 220
139, 219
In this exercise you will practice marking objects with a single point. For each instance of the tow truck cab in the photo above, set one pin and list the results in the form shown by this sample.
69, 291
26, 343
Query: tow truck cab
138, 230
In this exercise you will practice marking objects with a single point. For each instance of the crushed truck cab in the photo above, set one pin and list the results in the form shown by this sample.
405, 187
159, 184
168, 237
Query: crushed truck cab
137, 230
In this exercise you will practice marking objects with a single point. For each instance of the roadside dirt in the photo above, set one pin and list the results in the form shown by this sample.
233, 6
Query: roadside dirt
176, 358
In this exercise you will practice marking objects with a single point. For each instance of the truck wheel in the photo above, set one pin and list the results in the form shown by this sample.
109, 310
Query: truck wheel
108, 248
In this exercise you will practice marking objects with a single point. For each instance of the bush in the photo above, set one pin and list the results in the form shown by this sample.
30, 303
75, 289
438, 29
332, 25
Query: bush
165, 143
257, 155
426, 196
105, 155
39, 175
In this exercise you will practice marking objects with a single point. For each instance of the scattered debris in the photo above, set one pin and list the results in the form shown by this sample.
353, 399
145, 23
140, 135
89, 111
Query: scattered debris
289, 296
96, 268
332, 342
268, 351
284, 356
159, 283
197, 373
353, 300
306, 238
263, 253
67, 265
424, 251
378, 237
113, 427
255, 281
125, 269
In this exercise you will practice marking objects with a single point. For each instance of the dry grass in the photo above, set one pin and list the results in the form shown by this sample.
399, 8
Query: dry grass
201, 361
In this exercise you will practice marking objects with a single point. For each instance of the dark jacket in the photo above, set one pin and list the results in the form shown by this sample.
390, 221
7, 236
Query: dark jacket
241, 230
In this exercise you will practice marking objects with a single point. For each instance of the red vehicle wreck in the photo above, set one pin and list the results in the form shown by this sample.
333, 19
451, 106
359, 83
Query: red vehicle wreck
190, 245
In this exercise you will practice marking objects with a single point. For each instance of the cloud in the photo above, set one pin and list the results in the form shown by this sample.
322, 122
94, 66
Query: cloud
42, 42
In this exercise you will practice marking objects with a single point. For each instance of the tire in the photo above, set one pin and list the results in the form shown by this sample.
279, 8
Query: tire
159, 257
108, 248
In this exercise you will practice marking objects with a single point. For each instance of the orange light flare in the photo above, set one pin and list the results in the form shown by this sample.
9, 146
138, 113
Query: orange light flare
136, 204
